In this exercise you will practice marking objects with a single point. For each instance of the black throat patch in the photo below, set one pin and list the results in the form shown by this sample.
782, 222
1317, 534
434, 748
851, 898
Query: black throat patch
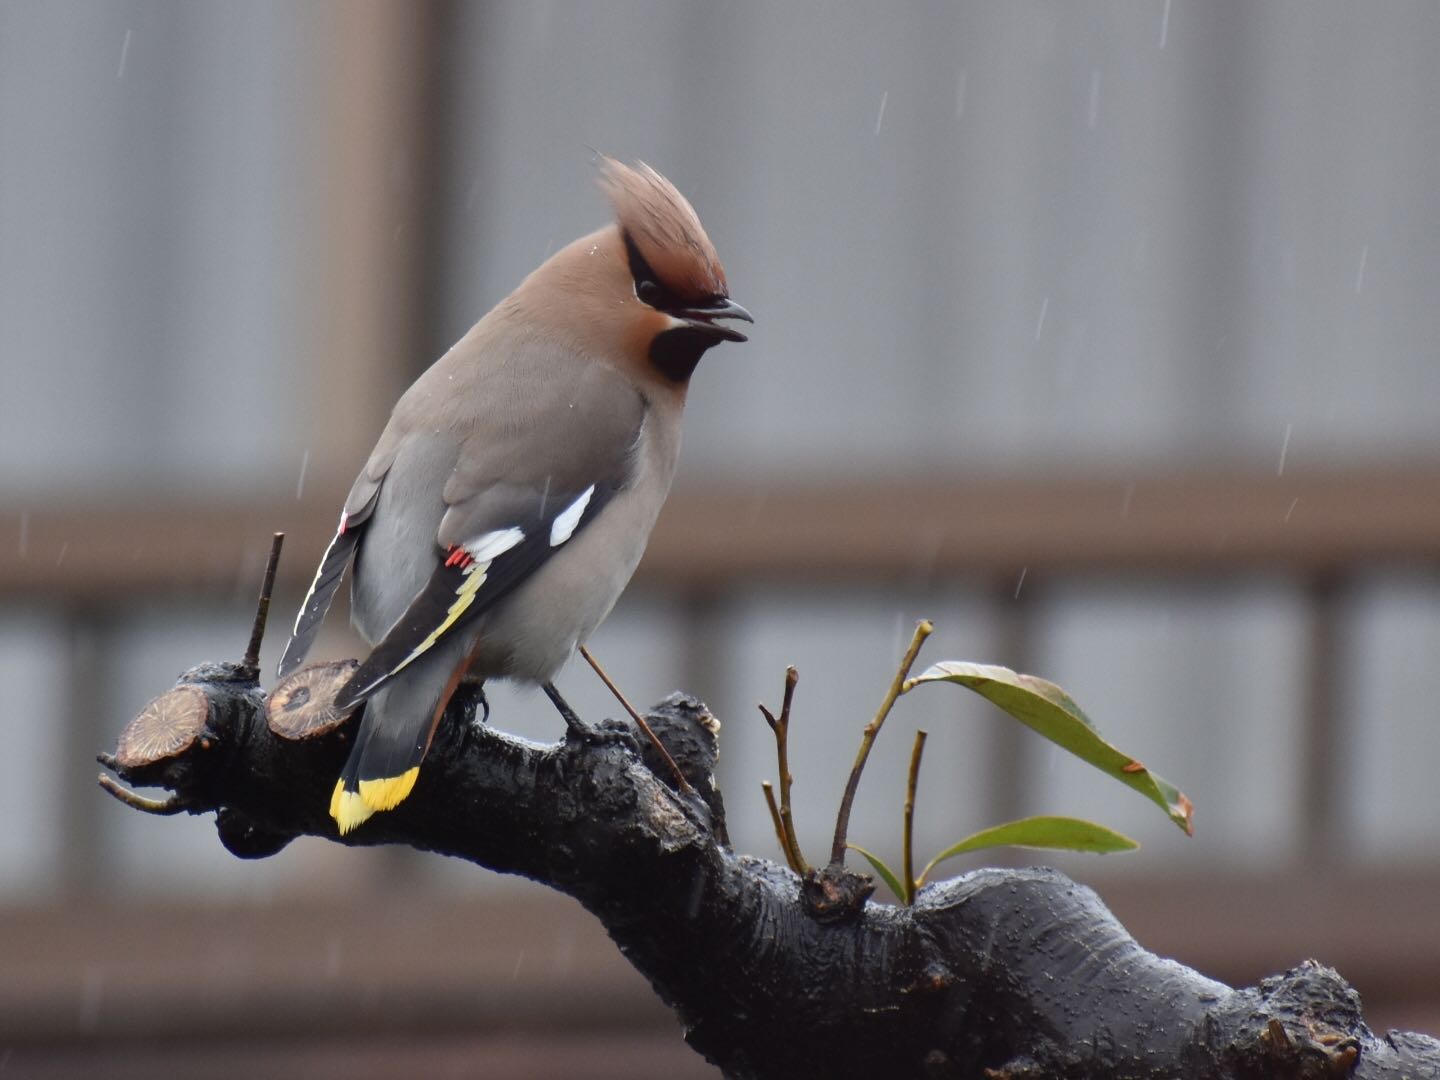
676, 352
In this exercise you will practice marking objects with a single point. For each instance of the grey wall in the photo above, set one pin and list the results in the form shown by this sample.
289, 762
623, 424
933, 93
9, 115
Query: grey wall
990, 235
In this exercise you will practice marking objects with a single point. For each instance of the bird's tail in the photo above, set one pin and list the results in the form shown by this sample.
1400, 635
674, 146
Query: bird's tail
396, 728
355, 799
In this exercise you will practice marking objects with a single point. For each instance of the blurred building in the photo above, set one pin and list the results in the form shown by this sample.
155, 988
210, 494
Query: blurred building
1104, 335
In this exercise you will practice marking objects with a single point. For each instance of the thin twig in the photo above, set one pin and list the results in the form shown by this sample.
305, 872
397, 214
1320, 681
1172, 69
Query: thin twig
923, 629
779, 828
133, 799
680, 780
262, 609
781, 727
910, 787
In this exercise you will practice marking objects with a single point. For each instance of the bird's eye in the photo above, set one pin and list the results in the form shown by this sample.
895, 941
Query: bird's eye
648, 292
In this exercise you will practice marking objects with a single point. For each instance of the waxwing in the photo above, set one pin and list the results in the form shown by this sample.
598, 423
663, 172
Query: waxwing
514, 488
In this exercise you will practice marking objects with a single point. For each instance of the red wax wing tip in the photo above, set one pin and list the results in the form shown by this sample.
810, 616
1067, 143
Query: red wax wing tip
458, 556
1132, 767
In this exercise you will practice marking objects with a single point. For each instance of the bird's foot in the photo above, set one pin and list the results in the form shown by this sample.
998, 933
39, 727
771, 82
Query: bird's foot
577, 729
468, 706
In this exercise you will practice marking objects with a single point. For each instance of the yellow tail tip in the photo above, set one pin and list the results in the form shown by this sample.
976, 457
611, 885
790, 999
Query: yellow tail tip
389, 792
352, 808
347, 808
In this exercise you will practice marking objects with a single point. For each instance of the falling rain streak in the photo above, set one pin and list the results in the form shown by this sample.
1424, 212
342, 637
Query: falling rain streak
880, 117
1284, 449
1360, 273
1165, 24
1094, 111
300, 484
92, 988
1040, 322
124, 56
960, 94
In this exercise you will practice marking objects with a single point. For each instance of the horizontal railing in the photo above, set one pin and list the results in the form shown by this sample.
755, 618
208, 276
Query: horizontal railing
712, 534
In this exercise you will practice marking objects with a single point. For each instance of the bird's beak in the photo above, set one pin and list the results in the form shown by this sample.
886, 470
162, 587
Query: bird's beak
702, 318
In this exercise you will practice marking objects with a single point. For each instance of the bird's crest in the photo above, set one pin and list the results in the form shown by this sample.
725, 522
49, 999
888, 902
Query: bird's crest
664, 227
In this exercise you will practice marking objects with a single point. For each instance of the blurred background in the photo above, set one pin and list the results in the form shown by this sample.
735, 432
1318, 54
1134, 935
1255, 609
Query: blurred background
1103, 334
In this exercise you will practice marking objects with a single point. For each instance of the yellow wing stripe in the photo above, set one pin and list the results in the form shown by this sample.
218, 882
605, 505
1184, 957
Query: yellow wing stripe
475, 575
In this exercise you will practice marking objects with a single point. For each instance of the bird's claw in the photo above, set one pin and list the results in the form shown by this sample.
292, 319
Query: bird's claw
607, 732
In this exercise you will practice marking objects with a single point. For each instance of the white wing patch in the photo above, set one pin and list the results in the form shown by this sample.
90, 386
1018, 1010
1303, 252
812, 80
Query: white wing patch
569, 519
489, 546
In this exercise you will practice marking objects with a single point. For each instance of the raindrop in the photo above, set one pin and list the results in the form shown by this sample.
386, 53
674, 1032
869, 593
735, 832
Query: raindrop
1284, 449
1127, 499
124, 56
757, 504
1165, 24
960, 94
1094, 111
926, 550
880, 117
1360, 273
519, 959
1040, 322
60, 558
1293, 503
91, 988
697, 895
300, 484
564, 958
1020, 584
1053, 756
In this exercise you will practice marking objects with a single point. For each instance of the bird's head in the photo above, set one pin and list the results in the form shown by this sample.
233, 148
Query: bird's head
649, 289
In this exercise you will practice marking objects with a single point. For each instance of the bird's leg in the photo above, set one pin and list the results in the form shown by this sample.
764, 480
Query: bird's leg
681, 783
589, 733
573, 722
463, 689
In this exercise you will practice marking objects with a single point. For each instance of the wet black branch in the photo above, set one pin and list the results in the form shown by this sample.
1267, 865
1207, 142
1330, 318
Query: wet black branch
1007, 974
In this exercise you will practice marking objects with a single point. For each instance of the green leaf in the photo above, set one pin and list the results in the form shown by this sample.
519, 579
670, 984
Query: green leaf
1047, 709
1054, 833
886, 874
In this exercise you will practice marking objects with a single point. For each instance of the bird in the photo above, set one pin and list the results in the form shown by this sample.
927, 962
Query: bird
513, 489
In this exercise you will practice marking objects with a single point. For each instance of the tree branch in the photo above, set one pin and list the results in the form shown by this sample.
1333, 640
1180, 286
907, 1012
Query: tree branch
1016, 974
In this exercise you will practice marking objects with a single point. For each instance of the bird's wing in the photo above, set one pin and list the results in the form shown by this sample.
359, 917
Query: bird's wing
353, 519
519, 491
